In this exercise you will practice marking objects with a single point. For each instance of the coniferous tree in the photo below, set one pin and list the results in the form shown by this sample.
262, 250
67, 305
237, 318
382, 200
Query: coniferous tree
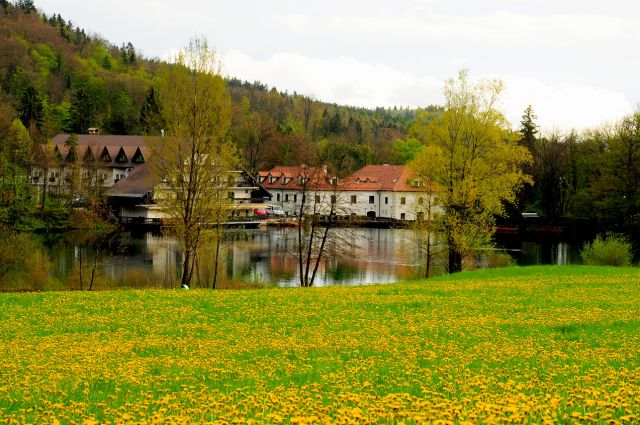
82, 112
31, 109
151, 120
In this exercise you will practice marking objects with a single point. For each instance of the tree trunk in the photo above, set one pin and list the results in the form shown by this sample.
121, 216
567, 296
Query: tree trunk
215, 259
428, 268
186, 278
455, 259
93, 270
80, 258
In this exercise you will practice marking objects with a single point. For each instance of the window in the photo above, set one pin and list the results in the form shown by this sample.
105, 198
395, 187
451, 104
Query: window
122, 157
278, 197
232, 195
402, 216
333, 199
295, 198
317, 199
386, 200
353, 199
105, 157
403, 200
286, 198
420, 201
137, 157
372, 199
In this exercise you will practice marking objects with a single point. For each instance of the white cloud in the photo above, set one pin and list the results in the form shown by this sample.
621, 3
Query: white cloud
341, 80
565, 105
348, 81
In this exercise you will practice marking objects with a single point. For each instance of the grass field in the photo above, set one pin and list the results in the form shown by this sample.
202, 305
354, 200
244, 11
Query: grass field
520, 345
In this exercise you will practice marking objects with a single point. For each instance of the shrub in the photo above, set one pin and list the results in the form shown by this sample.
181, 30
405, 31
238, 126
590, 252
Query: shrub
610, 250
23, 263
497, 259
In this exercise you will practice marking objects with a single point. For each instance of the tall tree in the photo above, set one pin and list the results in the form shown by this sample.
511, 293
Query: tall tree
195, 156
82, 112
529, 128
151, 119
474, 159
31, 109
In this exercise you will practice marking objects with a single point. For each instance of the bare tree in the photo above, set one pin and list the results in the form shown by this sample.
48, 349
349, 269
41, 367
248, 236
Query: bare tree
195, 156
321, 203
428, 225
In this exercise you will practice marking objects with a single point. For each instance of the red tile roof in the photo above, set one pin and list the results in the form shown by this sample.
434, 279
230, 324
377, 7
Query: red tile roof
372, 178
290, 177
392, 178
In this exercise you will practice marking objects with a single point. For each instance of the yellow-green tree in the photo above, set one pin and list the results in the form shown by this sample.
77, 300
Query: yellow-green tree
472, 156
194, 157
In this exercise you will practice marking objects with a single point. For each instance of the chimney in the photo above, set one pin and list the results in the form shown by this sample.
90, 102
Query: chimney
324, 168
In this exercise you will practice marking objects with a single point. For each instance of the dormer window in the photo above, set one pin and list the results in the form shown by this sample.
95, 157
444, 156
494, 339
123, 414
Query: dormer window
137, 157
303, 181
71, 156
57, 154
122, 157
105, 156
88, 155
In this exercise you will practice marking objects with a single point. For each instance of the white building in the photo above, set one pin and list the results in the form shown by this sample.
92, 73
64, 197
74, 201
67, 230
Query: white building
386, 191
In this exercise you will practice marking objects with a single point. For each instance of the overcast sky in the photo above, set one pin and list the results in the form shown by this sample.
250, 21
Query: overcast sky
575, 61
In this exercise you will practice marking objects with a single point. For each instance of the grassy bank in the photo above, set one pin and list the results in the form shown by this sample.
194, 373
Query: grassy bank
538, 344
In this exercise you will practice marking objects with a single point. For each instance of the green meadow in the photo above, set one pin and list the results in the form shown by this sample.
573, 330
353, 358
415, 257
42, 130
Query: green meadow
518, 345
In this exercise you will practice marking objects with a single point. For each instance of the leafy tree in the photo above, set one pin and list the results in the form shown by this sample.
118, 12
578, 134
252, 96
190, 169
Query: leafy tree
195, 156
403, 151
549, 173
474, 160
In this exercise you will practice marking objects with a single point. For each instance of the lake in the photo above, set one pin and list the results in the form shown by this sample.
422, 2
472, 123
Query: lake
262, 257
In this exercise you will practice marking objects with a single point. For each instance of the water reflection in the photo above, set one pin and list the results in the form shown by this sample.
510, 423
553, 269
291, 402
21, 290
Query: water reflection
264, 257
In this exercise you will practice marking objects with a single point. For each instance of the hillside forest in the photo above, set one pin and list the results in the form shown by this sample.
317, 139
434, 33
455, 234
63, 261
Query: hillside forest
57, 78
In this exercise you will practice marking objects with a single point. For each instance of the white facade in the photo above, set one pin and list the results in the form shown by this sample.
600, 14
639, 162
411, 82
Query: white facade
385, 204
378, 191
